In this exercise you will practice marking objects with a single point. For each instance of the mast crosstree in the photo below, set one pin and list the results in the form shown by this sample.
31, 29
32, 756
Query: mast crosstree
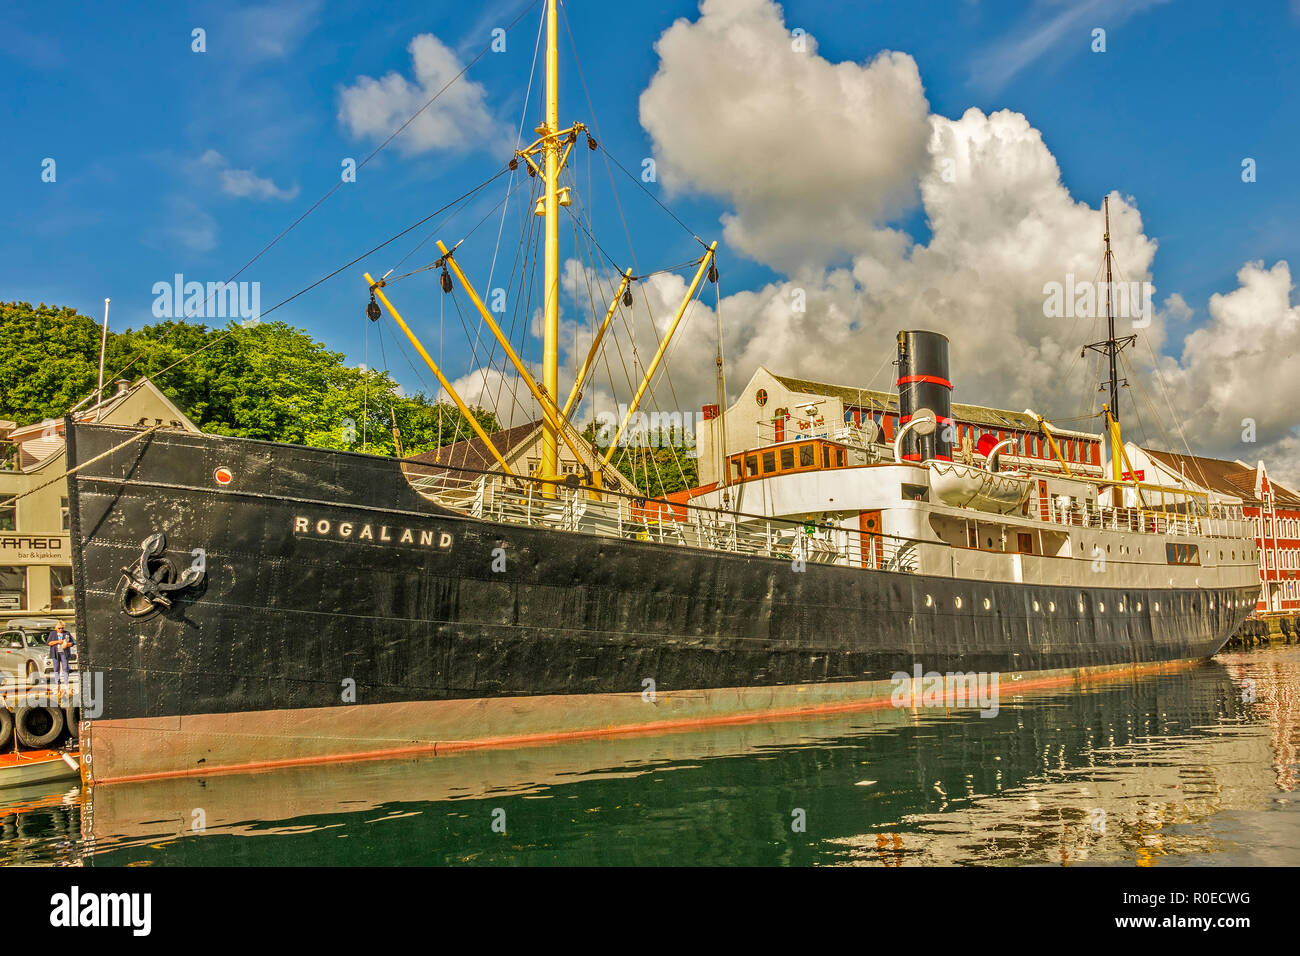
1111, 347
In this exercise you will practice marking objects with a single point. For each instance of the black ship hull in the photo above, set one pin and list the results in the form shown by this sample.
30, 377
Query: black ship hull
336, 612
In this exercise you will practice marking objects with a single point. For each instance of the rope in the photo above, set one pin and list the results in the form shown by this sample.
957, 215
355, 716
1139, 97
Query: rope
31, 491
333, 189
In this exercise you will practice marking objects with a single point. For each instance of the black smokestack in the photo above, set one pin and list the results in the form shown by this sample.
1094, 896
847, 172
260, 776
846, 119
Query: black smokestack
923, 382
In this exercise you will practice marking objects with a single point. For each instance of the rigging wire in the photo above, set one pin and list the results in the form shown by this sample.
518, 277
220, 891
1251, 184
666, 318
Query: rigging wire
333, 189
229, 331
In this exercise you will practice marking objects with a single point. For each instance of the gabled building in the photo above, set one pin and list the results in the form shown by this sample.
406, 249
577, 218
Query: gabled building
35, 552
775, 408
1273, 507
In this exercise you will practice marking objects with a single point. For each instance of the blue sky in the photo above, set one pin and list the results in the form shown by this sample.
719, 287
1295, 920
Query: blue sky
115, 95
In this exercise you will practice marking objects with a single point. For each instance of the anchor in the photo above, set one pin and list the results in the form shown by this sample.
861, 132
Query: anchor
146, 587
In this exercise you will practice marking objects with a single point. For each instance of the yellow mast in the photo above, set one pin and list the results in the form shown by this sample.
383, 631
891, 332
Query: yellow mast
549, 131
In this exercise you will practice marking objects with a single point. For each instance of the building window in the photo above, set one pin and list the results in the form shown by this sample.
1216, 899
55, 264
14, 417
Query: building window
9, 517
13, 589
65, 518
61, 588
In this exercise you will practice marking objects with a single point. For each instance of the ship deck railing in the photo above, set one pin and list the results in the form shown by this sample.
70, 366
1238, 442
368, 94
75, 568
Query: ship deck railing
564, 507
1147, 521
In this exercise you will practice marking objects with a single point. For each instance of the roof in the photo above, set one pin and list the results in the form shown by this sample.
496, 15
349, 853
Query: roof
1225, 477
888, 401
473, 452
40, 442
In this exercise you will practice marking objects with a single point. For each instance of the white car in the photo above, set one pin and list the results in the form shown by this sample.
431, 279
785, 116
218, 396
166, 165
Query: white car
24, 653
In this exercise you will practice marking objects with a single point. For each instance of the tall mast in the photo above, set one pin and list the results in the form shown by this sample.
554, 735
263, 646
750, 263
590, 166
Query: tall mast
549, 131
1111, 348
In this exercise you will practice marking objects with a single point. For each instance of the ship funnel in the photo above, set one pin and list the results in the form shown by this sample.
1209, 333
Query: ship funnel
923, 384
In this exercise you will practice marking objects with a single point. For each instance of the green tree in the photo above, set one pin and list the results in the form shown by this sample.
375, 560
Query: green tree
657, 467
268, 381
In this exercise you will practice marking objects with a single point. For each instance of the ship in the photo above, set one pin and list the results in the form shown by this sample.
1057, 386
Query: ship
251, 604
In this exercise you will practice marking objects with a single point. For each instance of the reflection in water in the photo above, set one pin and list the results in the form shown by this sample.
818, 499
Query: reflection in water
1195, 766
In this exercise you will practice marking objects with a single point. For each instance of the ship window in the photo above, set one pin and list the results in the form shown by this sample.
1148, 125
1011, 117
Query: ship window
839, 457
807, 457
915, 493
1080, 605
787, 459
1026, 544
971, 540
1138, 607
1121, 607
987, 604
957, 602
1156, 607
1035, 605
769, 462
990, 540
826, 456
1051, 607
1182, 554
751, 465
1101, 607
929, 601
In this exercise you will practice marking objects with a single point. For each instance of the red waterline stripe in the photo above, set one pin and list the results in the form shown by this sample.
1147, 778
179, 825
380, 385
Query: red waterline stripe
629, 730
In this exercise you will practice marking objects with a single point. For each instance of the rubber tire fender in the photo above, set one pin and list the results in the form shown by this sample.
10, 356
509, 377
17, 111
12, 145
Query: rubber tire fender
72, 720
34, 741
6, 727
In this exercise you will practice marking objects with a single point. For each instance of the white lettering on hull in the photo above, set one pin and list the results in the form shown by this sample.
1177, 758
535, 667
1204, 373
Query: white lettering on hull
347, 531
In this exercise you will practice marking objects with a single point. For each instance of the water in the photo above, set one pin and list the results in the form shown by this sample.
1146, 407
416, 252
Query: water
1195, 767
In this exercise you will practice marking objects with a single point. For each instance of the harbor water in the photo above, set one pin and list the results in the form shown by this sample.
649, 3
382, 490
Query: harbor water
1197, 766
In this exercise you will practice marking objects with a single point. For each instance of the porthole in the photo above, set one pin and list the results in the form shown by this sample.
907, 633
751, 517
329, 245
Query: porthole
957, 601
1080, 607
1051, 607
929, 601
1108, 549
1035, 605
1234, 555
1138, 607
1121, 607
1101, 607
1156, 607
987, 604
1211, 604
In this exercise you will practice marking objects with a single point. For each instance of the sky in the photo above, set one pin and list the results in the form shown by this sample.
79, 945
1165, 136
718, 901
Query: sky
865, 167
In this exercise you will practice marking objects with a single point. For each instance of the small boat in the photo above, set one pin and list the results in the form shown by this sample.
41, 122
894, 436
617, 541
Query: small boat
969, 486
38, 766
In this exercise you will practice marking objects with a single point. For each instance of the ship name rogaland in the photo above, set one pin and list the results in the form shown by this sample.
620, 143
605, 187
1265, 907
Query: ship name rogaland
352, 531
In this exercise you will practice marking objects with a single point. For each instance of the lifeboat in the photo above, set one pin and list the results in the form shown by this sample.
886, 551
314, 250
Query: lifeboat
969, 486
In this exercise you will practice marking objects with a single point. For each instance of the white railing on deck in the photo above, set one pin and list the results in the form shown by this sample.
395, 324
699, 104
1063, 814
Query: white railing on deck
492, 497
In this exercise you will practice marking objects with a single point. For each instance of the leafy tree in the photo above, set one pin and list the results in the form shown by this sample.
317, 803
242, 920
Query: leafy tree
657, 467
267, 381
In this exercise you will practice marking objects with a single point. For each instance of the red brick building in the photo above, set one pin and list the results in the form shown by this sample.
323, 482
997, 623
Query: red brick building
1273, 507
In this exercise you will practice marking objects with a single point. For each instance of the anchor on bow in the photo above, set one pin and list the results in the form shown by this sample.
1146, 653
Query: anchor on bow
146, 587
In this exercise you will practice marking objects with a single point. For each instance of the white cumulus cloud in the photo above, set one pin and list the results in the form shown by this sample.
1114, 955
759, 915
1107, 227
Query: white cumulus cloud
458, 119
